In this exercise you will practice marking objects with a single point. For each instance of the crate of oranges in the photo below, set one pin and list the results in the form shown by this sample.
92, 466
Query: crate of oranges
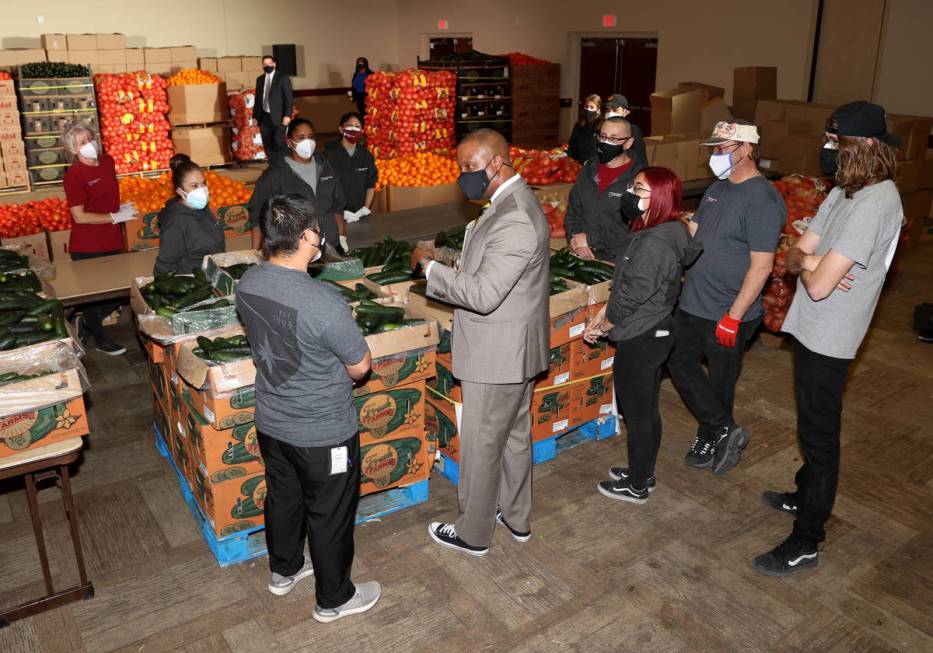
418, 180
197, 97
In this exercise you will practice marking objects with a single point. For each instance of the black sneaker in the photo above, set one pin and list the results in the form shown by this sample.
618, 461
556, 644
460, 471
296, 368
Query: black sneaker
622, 491
786, 558
109, 347
518, 535
446, 536
783, 501
728, 449
700, 454
623, 474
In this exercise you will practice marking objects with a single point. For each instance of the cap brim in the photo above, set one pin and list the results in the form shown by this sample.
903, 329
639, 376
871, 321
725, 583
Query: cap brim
890, 139
713, 142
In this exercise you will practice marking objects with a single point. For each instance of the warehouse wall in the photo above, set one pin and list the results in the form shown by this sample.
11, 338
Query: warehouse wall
904, 80
330, 34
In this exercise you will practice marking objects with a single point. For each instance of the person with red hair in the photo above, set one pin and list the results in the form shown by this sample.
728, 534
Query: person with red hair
639, 319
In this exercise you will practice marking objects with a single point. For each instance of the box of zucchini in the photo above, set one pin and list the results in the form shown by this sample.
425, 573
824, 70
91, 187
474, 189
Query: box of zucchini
217, 363
39, 427
26, 317
596, 276
227, 268
169, 306
43, 375
394, 328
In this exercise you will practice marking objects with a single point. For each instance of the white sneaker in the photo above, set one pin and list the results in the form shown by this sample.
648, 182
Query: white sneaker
365, 598
282, 585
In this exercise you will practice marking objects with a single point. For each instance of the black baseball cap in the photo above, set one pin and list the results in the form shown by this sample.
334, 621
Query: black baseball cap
864, 120
617, 101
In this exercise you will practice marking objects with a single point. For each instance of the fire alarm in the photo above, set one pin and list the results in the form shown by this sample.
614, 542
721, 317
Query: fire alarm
610, 20
442, 24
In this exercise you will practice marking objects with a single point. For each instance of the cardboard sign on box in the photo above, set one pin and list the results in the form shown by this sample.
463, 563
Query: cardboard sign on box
197, 103
675, 111
37, 428
393, 412
205, 145
395, 462
750, 84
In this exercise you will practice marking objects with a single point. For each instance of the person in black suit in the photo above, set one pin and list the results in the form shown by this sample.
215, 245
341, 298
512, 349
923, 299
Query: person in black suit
273, 107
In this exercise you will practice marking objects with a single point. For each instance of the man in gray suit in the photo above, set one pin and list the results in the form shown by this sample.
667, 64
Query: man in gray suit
500, 343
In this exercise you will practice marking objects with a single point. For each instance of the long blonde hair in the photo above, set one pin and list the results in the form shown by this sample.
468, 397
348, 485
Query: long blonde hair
598, 101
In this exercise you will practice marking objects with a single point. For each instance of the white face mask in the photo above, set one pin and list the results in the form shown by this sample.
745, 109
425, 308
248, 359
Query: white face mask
721, 165
88, 150
305, 148
320, 249
198, 197
643, 204
831, 145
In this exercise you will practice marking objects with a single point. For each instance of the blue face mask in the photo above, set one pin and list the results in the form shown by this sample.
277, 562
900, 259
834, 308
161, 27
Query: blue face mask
197, 198
721, 165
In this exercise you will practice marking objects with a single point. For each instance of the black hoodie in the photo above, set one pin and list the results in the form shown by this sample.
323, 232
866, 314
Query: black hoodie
186, 236
647, 278
280, 179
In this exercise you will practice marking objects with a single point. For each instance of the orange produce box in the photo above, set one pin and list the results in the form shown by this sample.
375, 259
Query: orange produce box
444, 382
397, 369
591, 399
568, 326
158, 381
393, 412
589, 360
231, 505
559, 366
550, 412
440, 421
37, 428
219, 452
395, 462
224, 412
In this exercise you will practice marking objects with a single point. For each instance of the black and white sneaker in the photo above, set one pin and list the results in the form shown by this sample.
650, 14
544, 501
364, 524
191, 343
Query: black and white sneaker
783, 501
728, 449
109, 347
623, 474
518, 535
446, 536
622, 491
700, 453
786, 558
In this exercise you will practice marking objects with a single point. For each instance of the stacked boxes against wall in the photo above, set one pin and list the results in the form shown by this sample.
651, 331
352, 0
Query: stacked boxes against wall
238, 72
13, 174
535, 103
49, 104
104, 53
199, 113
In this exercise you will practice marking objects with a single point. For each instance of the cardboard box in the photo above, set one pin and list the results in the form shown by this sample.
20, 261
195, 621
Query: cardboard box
443, 424
750, 84
37, 428
559, 366
225, 411
56, 42
135, 57
84, 57
810, 116
17, 178
111, 42
675, 111
157, 55
709, 91
184, 53
913, 132
161, 69
198, 103
18, 57
588, 360
57, 56
714, 111
7, 100
230, 65
591, 399
403, 368
81, 41
112, 69
232, 505
35, 244
178, 66
395, 463
400, 198
394, 412
205, 145
158, 382
251, 65
7, 90
773, 133
801, 155
208, 63
550, 412
58, 245
771, 110
444, 383
237, 81
141, 233
111, 57
909, 176
916, 205
221, 452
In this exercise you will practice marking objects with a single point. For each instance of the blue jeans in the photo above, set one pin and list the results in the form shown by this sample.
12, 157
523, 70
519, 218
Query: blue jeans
94, 314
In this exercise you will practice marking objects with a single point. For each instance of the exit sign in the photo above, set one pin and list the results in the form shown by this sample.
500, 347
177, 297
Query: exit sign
610, 20
442, 24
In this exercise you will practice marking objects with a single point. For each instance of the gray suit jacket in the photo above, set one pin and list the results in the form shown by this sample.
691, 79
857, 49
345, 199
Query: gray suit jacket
501, 331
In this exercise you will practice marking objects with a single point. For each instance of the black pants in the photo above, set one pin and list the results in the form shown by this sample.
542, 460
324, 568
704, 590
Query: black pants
360, 100
304, 500
710, 397
272, 133
94, 314
636, 373
818, 382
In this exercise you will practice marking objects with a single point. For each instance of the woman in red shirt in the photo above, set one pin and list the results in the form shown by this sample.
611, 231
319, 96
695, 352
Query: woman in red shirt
93, 196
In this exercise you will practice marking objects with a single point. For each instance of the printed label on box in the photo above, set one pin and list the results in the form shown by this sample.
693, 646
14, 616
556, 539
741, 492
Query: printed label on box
606, 364
577, 330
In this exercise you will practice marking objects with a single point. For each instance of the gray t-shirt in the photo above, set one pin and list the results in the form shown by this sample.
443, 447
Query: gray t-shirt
864, 229
307, 171
733, 221
302, 333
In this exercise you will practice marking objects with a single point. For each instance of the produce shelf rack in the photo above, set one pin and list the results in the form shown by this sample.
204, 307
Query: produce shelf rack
484, 91
545, 450
251, 543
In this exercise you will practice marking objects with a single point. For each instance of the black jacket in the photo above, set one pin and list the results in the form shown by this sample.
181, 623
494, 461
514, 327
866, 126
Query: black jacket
647, 278
639, 144
280, 179
356, 174
582, 144
603, 217
280, 97
186, 236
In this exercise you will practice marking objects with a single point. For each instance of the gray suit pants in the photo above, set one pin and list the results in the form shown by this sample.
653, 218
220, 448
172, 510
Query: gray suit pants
495, 459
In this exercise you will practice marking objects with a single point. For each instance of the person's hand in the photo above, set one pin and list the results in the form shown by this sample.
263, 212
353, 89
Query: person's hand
578, 241
596, 327
363, 212
286, 120
845, 284
726, 330
585, 253
344, 245
420, 253
350, 94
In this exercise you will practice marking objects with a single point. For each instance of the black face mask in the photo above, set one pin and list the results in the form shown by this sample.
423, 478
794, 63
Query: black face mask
268, 69
607, 151
629, 207
361, 66
828, 160
474, 184
590, 114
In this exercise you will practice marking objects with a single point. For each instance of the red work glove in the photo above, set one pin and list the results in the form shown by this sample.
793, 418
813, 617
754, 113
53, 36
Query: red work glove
726, 330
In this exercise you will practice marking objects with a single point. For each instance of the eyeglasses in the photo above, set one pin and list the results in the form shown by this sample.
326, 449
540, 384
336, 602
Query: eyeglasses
721, 148
640, 190
615, 140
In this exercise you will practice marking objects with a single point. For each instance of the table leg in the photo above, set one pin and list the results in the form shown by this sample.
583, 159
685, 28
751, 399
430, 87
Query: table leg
72, 513
37, 530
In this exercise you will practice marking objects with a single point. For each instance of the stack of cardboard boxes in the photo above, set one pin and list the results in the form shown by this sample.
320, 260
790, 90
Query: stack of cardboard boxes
238, 72
107, 53
12, 151
914, 170
535, 103
10, 59
199, 114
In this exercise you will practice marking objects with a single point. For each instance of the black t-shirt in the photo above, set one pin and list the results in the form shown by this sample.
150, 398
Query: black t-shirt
356, 173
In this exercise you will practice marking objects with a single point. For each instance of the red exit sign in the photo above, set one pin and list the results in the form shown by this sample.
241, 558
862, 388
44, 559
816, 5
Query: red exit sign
610, 20
442, 24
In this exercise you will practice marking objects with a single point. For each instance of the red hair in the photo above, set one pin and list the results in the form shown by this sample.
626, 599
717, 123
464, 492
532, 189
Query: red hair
665, 203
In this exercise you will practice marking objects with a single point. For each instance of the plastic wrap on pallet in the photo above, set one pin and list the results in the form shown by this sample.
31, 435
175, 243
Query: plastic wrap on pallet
192, 320
59, 377
335, 268
45, 270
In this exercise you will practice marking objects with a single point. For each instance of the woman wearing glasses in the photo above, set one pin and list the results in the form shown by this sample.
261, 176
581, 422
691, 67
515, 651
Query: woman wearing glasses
639, 319
599, 208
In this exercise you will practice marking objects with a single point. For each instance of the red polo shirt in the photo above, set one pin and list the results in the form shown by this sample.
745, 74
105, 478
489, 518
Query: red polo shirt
607, 175
95, 188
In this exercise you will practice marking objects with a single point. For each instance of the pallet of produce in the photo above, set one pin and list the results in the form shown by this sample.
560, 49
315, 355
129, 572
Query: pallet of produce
217, 363
227, 268
596, 276
170, 308
53, 78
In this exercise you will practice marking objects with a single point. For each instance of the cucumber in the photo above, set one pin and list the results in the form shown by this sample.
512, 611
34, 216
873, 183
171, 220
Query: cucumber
11, 317
7, 339
23, 339
193, 297
44, 308
24, 327
165, 311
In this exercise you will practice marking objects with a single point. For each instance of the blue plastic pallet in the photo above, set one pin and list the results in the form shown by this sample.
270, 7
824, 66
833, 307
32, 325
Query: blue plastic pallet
544, 450
251, 543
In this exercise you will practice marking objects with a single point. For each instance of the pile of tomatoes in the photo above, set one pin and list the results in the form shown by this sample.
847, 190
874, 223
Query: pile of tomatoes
33, 217
149, 194
133, 123
410, 112
544, 167
423, 169
4, 75
187, 76
247, 143
522, 59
